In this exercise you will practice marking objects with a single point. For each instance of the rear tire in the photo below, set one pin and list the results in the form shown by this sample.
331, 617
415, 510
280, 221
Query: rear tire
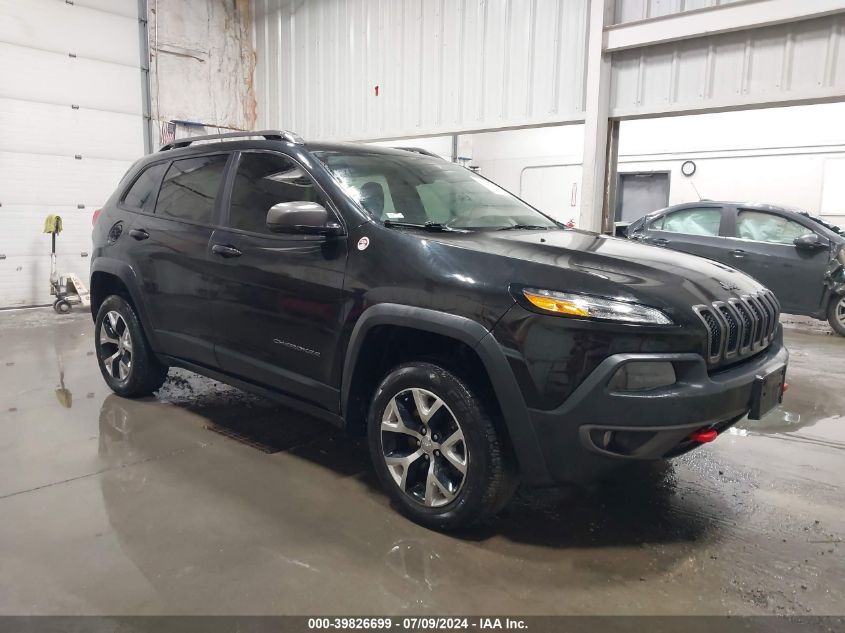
435, 448
126, 361
836, 315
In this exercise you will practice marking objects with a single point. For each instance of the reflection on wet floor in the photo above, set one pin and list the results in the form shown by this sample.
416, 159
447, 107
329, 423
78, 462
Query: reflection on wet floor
803, 407
812, 409
206, 499
639, 498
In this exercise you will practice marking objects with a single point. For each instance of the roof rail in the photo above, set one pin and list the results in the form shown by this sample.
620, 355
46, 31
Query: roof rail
270, 135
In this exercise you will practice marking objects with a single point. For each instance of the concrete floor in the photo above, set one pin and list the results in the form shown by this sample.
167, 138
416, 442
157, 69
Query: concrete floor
208, 500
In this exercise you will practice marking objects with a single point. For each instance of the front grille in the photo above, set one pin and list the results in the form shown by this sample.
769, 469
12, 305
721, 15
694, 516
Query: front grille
741, 326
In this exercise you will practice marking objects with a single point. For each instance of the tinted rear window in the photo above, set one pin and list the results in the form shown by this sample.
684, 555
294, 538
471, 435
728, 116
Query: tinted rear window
190, 187
142, 193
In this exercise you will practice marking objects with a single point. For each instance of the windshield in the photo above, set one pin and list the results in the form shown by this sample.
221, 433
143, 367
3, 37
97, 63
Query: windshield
418, 189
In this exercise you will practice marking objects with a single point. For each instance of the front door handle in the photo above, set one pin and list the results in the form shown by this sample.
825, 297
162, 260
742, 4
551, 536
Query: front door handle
224, 250
139, 234
738, 253
661, 241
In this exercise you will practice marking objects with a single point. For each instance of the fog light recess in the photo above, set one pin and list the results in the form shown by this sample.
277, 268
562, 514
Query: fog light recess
643, 376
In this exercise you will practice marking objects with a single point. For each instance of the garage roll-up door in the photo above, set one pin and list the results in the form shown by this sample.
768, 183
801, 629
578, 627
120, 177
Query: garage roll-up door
71, 123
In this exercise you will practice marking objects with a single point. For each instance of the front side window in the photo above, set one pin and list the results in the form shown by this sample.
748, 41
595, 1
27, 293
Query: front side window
696, 221
419, 189
262, 181
141, 195
190, 187
767, 227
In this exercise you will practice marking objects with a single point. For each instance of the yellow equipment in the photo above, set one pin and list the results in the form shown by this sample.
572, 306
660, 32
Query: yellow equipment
68, 288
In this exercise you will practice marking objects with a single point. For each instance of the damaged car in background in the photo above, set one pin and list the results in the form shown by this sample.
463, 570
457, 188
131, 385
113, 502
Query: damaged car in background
799, 256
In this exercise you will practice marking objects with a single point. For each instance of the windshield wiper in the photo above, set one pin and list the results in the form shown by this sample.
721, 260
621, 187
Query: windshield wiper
428, 226
527, 227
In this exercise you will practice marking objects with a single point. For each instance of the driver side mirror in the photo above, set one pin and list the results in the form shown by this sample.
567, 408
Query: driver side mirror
809, 242
301, 217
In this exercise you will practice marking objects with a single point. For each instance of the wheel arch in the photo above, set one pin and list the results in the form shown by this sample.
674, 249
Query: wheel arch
111, 276
435, 327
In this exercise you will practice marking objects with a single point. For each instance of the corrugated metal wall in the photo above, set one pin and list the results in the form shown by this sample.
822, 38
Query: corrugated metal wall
789, 62
440, 65
633, 10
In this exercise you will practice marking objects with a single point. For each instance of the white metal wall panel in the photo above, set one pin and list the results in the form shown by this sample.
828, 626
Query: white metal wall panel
554, 189
34, 75
789, 62
634, 10
71, 87
87, 33
440, 65
58, 180
44, 128
126, 8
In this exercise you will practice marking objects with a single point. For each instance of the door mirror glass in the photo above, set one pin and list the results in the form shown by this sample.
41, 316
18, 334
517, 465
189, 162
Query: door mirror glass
808, 242
301, 217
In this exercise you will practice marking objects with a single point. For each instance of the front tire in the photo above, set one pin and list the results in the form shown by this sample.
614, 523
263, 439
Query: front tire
435, 448
126, 361
836, 315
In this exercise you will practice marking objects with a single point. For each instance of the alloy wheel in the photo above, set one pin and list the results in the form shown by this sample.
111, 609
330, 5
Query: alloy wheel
424, 448
116, 346
839, 312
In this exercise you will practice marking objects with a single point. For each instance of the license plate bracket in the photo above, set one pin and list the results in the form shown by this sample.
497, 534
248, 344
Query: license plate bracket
767, 392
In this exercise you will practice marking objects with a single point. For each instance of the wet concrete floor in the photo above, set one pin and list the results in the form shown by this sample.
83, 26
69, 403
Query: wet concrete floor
209, 500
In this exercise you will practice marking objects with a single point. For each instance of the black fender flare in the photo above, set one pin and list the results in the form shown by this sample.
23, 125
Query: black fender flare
126, 274
511, 403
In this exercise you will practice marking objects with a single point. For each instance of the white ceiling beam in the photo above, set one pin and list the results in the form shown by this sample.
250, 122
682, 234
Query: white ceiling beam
737, 16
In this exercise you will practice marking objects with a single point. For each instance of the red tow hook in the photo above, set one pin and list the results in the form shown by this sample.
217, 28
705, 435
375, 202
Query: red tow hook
703, 436
785, 387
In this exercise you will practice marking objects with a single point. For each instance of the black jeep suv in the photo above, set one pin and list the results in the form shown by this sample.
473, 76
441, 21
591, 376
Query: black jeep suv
476, 341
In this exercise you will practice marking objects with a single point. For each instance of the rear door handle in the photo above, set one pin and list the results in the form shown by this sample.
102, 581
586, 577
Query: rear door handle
226, 251
738, 253
139, 234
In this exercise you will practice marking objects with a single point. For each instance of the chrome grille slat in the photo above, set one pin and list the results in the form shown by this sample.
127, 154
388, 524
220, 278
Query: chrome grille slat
740, 326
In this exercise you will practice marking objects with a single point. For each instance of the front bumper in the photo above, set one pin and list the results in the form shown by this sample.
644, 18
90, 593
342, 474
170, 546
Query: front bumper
645, 425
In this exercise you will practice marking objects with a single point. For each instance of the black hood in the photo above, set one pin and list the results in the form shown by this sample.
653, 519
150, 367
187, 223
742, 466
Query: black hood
598, 264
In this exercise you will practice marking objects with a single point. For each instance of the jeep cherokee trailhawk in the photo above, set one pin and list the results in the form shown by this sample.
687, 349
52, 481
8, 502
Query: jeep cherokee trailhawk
475, 341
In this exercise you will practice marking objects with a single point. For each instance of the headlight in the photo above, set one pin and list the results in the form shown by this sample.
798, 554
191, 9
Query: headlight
572, 304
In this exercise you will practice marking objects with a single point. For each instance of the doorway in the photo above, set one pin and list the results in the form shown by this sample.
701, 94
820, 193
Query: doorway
640, 193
